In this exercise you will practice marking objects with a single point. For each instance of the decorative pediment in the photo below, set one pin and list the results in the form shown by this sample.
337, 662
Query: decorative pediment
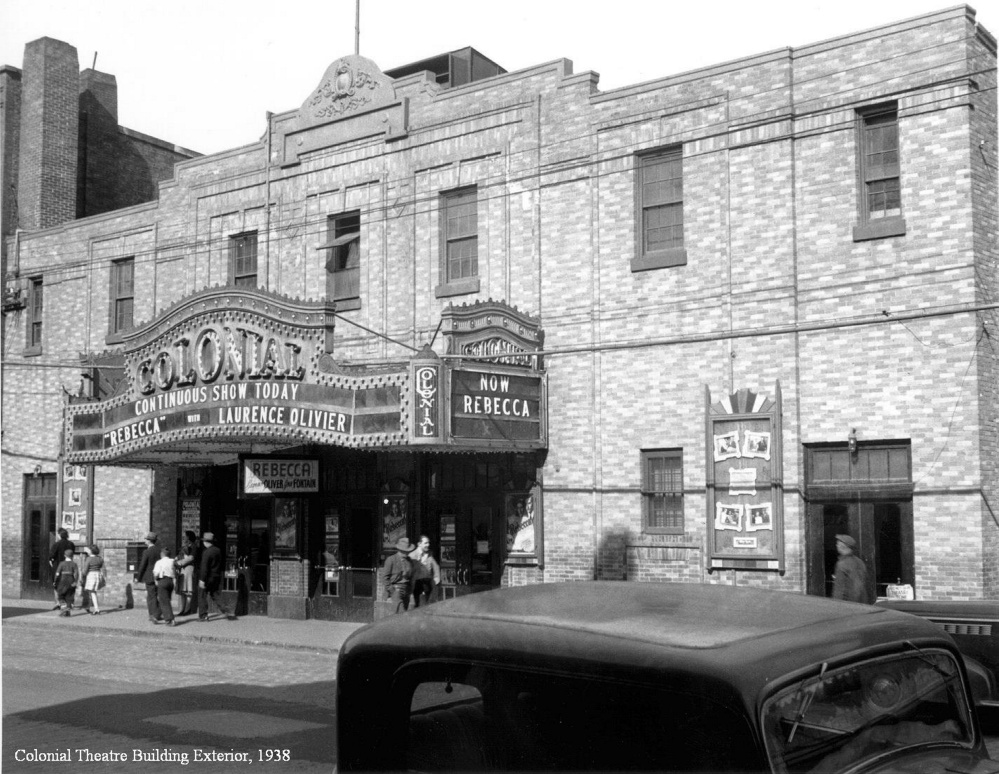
350, 85
493, 332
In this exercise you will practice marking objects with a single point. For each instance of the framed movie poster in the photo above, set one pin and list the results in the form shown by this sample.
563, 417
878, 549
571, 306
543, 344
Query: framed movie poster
288, 513
395, 521
745, 481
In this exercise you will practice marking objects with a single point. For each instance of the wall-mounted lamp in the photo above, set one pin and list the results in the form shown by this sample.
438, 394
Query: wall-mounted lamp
37, 471
851, 441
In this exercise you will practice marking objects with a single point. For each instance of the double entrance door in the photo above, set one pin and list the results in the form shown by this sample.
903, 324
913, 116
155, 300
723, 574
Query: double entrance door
470, 537
40, 535
884, 535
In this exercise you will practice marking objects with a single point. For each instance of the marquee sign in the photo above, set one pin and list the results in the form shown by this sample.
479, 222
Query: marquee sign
498, 405
745, 482
235, 363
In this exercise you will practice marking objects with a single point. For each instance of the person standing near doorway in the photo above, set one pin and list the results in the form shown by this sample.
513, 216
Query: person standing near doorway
426, 573
398, 575
210, 578
164, 572
56, 556
93, 576
850, 575
186, 587
145, 575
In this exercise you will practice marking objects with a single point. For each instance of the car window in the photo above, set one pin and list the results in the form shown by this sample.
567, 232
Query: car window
471, 717
858, 712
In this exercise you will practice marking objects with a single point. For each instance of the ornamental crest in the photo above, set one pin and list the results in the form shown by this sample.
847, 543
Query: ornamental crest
350, 85
344, 88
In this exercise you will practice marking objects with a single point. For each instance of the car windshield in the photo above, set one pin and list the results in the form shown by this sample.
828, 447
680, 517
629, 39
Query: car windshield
851, 714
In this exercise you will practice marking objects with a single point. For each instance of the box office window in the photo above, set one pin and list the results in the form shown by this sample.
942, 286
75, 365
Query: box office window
662, 491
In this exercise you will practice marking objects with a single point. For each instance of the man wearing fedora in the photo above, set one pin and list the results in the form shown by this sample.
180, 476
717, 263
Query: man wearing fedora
144, 574
398, 575
210, 578
850, 578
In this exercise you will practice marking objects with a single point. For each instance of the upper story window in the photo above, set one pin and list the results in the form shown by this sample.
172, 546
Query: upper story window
122, 295
243, 260
880, 181
662, 491
659, 210
459, 242
34, 321
343, 267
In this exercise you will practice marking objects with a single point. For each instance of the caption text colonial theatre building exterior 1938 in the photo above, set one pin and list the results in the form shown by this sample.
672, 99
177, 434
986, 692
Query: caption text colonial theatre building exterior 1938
686, 330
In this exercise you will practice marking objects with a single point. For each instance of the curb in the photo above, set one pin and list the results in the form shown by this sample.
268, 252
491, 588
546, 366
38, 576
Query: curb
175, 635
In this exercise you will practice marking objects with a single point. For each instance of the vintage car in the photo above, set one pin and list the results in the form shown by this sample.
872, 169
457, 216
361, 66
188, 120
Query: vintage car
618, 676
974, 625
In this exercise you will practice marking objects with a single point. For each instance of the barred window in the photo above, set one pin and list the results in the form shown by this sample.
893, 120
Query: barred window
662, 491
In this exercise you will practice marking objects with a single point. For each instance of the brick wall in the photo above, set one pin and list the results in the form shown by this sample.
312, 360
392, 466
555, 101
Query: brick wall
770, 202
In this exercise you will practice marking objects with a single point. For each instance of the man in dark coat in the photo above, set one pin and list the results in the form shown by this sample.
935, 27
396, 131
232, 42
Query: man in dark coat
57, 555
850, 581
398, 575
210, 578
145, 575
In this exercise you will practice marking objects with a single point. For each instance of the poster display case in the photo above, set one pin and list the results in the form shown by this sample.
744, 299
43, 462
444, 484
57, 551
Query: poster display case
745, 481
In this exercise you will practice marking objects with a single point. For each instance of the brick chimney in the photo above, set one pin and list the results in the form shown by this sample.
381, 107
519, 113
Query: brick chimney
50, 98
99, 153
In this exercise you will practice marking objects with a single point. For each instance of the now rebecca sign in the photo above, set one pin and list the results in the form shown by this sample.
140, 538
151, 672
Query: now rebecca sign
280, 475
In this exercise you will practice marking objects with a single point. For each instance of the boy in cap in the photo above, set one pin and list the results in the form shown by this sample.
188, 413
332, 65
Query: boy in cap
850, 579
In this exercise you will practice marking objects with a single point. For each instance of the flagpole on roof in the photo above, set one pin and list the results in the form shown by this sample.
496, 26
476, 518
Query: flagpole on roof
357, 27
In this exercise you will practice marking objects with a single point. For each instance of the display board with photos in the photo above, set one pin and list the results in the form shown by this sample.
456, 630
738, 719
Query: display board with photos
745, 481
77, 489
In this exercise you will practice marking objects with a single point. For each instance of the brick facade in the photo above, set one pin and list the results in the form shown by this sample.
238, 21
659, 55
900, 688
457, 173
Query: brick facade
885, 335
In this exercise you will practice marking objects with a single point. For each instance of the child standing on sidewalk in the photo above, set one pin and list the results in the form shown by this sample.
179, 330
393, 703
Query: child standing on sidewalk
67, 576
93, 574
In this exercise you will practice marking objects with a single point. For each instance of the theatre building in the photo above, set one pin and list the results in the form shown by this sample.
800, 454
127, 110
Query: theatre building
687, 330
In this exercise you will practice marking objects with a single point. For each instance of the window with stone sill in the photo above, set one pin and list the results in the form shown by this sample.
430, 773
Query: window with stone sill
122, 304
659, 224
243, 260
879, 175
33, 324
343, 264
459, 243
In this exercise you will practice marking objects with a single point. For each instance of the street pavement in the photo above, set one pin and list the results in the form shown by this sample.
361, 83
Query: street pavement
115, 693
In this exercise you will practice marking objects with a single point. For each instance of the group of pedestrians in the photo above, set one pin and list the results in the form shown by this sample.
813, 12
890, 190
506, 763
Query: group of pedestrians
195, 573
67, 575
411, 573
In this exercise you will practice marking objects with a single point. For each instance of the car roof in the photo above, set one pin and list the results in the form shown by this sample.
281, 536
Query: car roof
740, 637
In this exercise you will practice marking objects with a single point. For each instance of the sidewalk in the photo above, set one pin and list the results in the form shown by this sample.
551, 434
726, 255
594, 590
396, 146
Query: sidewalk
315, 636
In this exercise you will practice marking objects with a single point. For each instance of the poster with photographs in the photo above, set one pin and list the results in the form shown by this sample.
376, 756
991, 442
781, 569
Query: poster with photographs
759, 517
74, 496
756, 445
68, 521
74, 473
728, 516
727, 446
80, 522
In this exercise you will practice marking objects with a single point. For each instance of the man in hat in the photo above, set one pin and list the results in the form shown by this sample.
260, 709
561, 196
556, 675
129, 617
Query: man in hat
145, 575
210, 579
398, 573
850, 578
